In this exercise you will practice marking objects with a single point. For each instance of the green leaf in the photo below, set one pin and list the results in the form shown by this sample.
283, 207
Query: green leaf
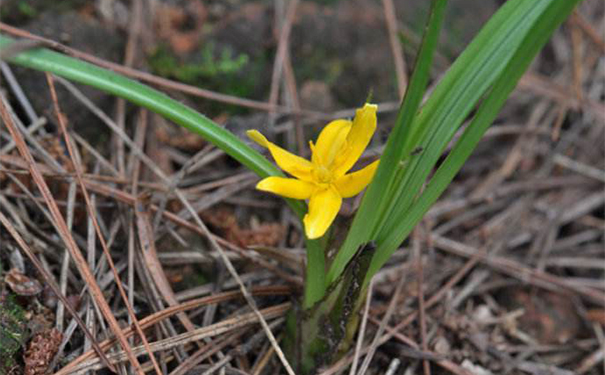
377, 198
551, 16
145, 96
484, 62
466, 82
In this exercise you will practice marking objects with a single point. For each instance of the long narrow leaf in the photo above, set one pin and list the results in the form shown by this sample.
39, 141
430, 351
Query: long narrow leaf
145, 96
552, 16
469, 78
467, 81
377, 198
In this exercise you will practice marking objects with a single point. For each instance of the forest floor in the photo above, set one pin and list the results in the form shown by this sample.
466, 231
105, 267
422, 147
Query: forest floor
505, 274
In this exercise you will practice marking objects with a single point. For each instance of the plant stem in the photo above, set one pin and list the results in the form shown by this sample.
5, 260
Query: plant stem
315, 275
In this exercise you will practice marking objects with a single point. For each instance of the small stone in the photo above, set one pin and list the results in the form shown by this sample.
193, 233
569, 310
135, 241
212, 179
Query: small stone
441, 345
483, 314
475, 369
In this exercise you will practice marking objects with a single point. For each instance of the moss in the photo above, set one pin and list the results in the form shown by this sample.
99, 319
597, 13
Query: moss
214, 68
12, 332
209, 66
19, 12
26, 9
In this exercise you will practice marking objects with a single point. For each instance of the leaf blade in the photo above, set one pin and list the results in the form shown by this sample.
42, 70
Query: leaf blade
540, 32
367, 218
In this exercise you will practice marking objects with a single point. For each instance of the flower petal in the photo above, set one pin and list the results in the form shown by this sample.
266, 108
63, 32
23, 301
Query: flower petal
323, 208
330, 142
362, 130
294, 165
352, 184
287, 187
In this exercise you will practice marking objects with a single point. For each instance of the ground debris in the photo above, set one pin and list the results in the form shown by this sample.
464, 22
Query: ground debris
41, 350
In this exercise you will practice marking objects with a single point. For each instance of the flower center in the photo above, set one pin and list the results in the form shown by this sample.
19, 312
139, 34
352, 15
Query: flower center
322, 174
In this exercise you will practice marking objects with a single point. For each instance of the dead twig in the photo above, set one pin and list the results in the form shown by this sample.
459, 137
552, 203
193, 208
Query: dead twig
55, 288
92, 214
171, 311
66, 235
396, 50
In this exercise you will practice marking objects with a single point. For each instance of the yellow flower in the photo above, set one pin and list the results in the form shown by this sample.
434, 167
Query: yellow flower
324, 179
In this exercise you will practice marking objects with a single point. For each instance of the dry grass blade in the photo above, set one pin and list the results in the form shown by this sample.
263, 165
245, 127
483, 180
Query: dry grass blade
576, 166
421, 309
235, 275
399, 62
66, 235
206, 351
392, 332
150, 257
587, 28
200, 225
517, 270
129, 57
71, 200
520, 226
187, 89
93, 217
171, 311
241, 350
55, 288
19, 47
282, 50
543, 86
216, 329
362, 329
35, 126
385, 320
18, 92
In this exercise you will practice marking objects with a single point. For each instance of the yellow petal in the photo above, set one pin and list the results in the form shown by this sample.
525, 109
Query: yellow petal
352, 184
295, 165
323, 208
287, 187
362, 130
330, 142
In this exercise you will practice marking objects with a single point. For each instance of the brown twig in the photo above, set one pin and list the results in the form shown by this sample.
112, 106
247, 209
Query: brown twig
53, 285
519, 271
396, 50
66, 235
92, 214
171, 311
216, 329
421, 308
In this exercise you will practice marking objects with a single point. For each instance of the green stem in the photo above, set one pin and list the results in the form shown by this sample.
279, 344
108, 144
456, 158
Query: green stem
315, 276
